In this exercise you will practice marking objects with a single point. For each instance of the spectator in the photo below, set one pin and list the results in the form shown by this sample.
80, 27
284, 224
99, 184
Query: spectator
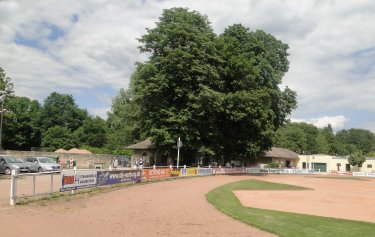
114, 163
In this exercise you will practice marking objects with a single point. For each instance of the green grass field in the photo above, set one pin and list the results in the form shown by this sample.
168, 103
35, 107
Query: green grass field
283, 223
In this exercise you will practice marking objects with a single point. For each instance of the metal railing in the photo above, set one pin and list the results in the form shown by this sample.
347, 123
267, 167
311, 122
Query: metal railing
14, 183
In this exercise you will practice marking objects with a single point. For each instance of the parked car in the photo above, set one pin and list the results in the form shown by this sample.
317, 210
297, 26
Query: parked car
42, 163
9, 163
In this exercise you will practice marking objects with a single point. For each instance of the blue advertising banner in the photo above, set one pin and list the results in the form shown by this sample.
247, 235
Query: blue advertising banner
118, 176
204, 171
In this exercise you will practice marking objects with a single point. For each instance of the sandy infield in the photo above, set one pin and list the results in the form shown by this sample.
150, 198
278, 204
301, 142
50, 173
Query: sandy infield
345, 199
172, 208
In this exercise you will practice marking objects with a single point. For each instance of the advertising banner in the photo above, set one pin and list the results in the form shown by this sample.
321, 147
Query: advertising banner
118, 176
204, 171
365, 174
253, 170
77, 180
156, 173
175, 172
240, 170
189, 172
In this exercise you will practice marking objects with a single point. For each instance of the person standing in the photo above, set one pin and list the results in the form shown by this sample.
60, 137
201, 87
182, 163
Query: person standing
71, 163
114, 163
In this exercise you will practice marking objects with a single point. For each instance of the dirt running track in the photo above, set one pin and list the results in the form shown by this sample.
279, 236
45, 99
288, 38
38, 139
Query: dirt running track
345, 199
173, 208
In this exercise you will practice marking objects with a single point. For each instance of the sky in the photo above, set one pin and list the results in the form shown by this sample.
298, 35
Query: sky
88, 49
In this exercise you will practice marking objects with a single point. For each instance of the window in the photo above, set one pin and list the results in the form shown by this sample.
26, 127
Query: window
369, 165
303, 165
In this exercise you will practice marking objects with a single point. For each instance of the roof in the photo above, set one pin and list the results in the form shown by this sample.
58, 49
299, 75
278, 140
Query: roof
61, 151
79, 151
144, 145
277, 152
73, 150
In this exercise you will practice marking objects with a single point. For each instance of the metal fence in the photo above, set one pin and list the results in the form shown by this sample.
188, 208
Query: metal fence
73, 179
20, 185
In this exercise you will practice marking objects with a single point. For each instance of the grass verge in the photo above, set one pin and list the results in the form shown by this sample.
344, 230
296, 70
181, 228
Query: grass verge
282, 223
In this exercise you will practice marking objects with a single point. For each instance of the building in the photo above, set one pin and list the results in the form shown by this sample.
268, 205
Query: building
327, 163
144, 150
284, 157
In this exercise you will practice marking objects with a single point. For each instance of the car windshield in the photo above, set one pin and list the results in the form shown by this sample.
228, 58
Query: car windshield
45, 160
14, 160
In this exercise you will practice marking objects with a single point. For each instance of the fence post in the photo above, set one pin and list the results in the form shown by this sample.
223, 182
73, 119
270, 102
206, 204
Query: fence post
75, 170
52, 182
34, 185
13, 187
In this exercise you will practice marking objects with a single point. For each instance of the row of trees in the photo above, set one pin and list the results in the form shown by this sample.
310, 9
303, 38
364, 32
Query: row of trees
307, 139
57, 123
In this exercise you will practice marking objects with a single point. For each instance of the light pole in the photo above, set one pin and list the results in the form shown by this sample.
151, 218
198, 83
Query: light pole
2, 99
179, 145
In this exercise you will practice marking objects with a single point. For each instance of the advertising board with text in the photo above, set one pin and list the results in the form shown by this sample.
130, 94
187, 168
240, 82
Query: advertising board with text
118, 176
77, 180
156, 173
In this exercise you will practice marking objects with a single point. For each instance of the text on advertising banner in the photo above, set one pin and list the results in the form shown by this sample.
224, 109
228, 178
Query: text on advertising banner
118, 176
156, 173
77, 180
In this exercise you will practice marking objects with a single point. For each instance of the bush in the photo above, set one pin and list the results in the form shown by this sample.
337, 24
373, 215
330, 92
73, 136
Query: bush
273, 165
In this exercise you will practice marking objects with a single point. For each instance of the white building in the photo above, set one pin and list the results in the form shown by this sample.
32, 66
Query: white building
327, 163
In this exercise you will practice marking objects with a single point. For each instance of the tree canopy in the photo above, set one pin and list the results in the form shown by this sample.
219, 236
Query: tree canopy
307, 139
61, 109
220, 94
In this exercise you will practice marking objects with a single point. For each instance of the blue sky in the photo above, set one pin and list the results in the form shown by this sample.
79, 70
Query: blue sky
88, 49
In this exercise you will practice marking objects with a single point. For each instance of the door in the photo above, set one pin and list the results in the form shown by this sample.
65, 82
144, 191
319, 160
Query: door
321, 166
287, 163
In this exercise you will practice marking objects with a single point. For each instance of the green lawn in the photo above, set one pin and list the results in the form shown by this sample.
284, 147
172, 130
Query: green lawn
283, 223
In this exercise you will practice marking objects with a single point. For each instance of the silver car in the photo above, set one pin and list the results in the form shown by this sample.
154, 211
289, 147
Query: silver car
41, 164
9, 163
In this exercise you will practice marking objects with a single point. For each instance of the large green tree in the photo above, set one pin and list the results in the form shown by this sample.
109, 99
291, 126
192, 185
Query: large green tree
21, 124
5, 83
92, 133
254, 106
363, 139
58, 137
170, 85
61, 110
123, 120
298, 137
221, 94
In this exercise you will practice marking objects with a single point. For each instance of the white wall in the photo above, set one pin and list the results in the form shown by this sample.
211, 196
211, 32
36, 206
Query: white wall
332, 162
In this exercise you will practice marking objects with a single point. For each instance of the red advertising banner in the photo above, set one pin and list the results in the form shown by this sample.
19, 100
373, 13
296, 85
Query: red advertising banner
156, 173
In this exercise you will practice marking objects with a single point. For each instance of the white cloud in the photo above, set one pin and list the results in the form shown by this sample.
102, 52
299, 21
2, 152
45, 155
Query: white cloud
336, 122
332, 49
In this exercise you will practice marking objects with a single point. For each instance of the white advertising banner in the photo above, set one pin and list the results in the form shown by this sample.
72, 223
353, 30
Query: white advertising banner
71, 180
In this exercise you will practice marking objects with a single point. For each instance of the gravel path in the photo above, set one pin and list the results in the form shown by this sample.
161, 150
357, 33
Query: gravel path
172, 208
